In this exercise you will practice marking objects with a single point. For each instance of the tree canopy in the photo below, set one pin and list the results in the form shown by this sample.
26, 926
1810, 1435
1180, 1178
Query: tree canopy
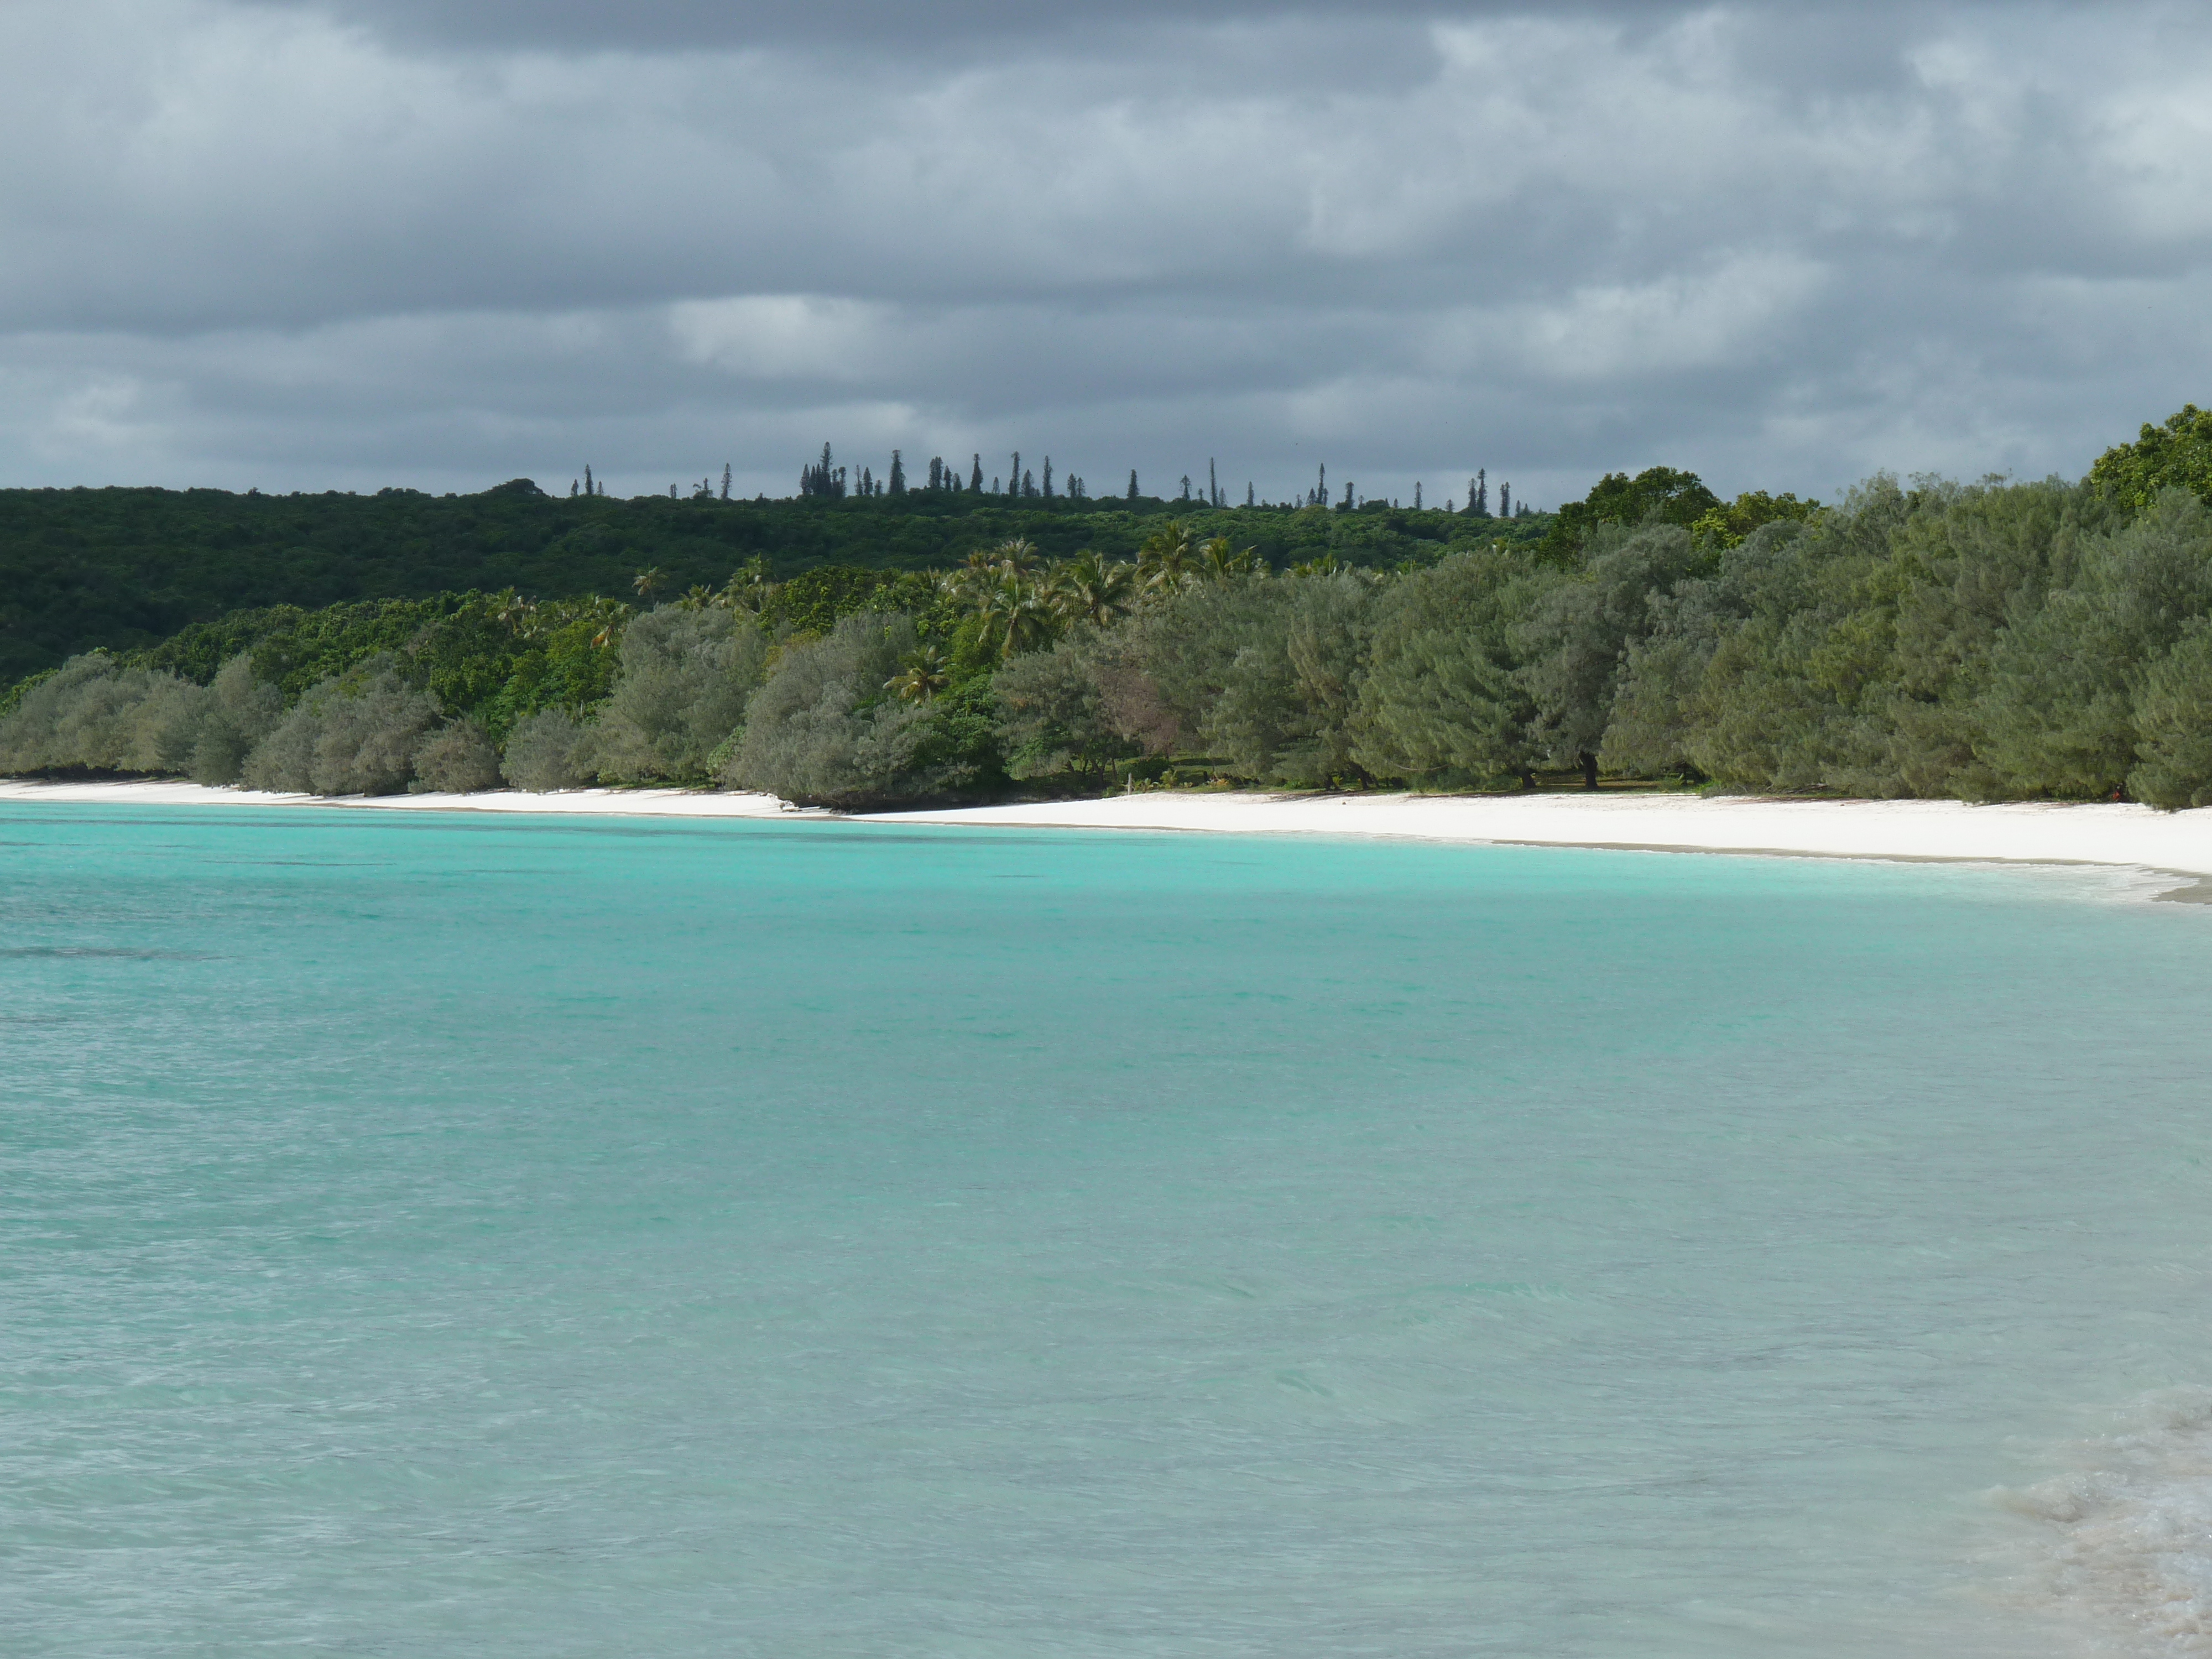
2044, 639
121, 568
2177, 455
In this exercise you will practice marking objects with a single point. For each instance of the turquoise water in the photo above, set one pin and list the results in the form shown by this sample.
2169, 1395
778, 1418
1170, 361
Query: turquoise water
432, 1235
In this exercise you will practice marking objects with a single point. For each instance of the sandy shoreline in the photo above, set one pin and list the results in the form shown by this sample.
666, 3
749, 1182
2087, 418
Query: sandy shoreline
2013, 832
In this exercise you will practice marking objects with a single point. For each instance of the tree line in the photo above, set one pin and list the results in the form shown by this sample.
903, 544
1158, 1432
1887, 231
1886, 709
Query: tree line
2046, 640
825, 478
124, 568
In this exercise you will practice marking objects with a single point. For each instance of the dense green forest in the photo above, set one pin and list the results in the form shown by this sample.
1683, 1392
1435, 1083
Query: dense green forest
2047, 639
85, 569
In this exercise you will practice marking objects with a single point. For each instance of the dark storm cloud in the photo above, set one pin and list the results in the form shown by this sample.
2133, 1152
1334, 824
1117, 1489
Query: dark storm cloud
376, 241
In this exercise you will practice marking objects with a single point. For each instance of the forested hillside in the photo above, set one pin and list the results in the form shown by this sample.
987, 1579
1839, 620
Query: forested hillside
120, 568
2033, 640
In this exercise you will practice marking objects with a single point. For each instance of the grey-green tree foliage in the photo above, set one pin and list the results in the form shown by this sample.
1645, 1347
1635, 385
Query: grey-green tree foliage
826, 730
1658, 723
457, 759
96, 715
1444, 703
1157, 674
1052, 712
1289, 661
2059, 714
2173, 724
356, 733
544, 752
1577, 635
1258, 675
237, 713
1967, 563
686, 675
1797, 696
1654, 706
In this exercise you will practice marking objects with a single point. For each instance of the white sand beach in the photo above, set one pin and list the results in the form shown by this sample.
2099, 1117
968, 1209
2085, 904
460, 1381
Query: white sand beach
2013, 832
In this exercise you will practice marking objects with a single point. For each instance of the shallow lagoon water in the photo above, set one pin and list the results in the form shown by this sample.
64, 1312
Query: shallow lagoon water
436, 1235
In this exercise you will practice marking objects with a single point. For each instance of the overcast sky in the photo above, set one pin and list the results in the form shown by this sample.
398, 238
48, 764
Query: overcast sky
443, 243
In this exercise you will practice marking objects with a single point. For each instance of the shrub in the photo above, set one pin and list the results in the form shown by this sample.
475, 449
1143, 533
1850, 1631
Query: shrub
353, 734
239, 712
686, 674
2173, 717
456, 759
93, 715
542, 753
1443, 703
1051, 715
823, 730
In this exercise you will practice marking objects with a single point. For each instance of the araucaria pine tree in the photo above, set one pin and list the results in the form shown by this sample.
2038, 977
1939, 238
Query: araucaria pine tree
975, 478
1047, 477
1133, 484
726, 481
1416, 495
898, 475
822, 478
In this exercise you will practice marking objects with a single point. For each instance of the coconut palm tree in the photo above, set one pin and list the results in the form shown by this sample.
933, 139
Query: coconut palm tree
611, 615
748, 588
649, 582
1218, 564
516, 613
1168, 559
921, 677
970, 576
1013, 616
1088, 588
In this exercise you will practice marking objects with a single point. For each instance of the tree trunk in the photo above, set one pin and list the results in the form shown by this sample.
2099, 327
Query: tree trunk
1589, 769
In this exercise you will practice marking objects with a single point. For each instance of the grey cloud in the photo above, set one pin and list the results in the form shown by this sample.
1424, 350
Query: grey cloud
1783, 246
847, 28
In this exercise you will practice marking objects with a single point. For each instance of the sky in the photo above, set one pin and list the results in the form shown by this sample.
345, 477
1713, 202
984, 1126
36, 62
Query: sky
343, 244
